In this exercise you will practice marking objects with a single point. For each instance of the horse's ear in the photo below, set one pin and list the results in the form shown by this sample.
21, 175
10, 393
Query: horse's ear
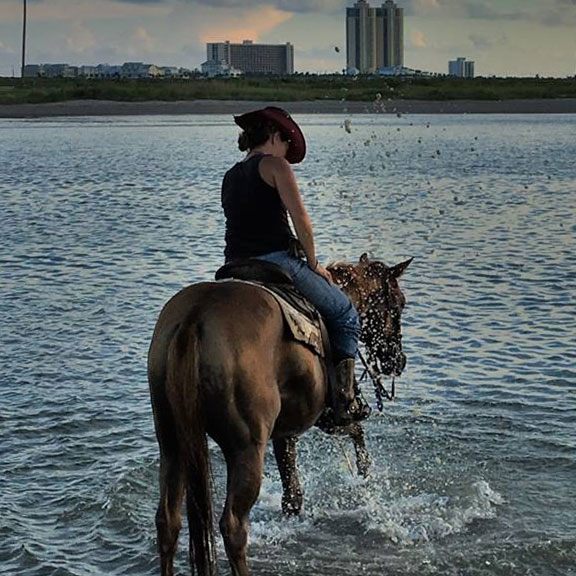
399, 269
364, 258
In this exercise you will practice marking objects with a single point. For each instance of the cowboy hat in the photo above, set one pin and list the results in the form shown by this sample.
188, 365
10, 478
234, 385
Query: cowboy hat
286, 126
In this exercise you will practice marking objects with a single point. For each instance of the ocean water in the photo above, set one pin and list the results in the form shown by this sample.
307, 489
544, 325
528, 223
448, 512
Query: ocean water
474, 474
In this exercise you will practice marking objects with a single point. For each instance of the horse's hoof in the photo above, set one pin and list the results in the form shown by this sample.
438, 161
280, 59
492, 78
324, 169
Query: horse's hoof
363, 464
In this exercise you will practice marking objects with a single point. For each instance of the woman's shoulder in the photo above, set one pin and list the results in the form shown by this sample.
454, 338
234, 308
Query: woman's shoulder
274, 164
271, 168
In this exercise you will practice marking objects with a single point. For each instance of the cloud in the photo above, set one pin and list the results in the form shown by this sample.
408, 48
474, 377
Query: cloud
207, 21
461, 9
316, 6
80, 39
480, 42
141, 42
476, 10
550, 13
81, 10
249, 26
563, 14
484, 42
175, 31
418, 39
422, 7
6, 48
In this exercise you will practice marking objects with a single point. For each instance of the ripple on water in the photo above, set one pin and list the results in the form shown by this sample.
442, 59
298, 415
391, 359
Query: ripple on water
104, 219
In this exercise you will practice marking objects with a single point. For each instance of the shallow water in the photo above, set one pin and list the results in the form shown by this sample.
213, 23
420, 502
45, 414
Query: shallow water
102, 220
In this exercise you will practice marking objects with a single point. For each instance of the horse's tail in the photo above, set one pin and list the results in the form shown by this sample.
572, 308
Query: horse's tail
183, 388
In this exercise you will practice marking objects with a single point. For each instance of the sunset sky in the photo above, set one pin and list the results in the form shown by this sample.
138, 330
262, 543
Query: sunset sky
503, 37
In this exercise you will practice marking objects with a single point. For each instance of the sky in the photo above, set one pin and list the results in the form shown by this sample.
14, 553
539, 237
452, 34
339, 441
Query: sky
503, 37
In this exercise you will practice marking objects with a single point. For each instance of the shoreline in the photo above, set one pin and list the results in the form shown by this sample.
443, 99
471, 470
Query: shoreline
74, 108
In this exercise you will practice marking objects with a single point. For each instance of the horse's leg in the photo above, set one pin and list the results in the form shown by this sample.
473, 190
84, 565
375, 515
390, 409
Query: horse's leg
168, 518
363, 460
244, 469
285, 452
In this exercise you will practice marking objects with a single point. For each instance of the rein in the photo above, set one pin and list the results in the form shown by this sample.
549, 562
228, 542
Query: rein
379, 388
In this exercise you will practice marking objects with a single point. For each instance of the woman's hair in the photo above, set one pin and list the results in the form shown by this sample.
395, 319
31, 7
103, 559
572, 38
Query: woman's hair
255, 136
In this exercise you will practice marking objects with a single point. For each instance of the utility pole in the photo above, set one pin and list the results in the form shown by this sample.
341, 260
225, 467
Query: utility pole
24, 18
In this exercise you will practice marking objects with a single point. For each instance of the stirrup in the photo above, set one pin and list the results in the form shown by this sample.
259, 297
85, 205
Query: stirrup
328, 424
359, 409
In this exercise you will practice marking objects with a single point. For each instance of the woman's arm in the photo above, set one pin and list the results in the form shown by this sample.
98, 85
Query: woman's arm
278, 173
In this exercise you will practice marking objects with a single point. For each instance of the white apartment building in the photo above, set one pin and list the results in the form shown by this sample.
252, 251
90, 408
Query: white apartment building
250, 58
461, 68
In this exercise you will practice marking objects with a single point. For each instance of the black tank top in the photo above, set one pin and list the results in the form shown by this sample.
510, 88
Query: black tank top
256, 220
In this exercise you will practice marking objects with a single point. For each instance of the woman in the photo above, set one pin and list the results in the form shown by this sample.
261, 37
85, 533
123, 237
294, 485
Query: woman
258, 193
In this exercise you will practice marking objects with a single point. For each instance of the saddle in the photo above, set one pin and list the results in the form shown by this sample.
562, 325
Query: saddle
303, 321
301, 318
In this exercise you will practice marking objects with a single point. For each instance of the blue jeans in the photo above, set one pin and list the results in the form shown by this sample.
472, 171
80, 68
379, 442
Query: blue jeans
335, 307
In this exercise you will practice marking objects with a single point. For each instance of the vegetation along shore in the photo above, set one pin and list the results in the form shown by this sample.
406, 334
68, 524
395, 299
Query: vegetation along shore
307, 94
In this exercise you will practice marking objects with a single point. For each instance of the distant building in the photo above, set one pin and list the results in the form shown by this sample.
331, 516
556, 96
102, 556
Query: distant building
392, 35
213, 68
361, 38
402, 71
130, 70
461, 68
33, 71
374, 37
136, 70
87, 71
53, 70
106, 71
250, 58
170, 72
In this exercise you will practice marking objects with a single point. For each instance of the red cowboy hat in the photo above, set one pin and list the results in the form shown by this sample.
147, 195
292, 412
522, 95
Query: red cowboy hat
283, 121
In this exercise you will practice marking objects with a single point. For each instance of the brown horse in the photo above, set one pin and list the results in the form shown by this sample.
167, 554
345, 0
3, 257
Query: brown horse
220, 365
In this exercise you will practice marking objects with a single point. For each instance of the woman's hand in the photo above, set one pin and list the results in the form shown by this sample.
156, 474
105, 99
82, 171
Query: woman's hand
321, 271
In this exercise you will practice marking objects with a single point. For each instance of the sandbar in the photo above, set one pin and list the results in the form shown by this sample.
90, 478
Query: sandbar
73, 108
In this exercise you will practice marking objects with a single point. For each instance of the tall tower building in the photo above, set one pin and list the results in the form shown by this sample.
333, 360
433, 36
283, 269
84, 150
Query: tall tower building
392, 28
361, 32
374, 37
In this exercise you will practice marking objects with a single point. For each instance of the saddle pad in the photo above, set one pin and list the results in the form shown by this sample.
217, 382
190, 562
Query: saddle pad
270, 275
289, 294
303, 329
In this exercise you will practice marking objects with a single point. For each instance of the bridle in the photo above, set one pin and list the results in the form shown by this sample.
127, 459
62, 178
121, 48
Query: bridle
372, 369
377, 381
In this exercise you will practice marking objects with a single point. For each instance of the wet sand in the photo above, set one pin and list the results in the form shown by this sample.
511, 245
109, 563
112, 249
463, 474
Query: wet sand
111, 108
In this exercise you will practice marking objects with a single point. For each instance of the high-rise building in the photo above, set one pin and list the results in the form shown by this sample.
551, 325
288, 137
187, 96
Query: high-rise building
252, 58
374, 37
461, 68
392, 36
361, 46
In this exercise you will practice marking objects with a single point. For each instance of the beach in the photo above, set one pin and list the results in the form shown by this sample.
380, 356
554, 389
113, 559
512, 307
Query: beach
116, 108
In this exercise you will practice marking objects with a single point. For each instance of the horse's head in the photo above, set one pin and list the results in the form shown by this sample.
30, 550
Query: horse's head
373, 288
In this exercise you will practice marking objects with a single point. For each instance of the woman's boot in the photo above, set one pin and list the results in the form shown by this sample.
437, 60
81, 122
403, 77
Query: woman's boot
348, 406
